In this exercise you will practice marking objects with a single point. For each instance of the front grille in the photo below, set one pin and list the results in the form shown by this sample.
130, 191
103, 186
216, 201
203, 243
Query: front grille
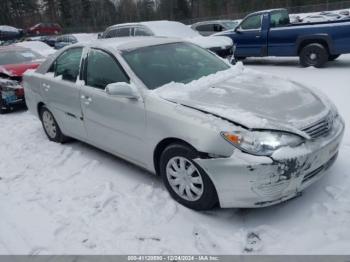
321, 128
326, 166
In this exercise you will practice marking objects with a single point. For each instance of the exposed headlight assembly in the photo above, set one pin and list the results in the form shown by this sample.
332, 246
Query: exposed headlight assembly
261, 143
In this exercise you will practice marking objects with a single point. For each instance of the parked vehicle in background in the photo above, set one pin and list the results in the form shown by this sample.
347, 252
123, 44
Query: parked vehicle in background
47, 39
207, 28
69, 39
216, 134
45, 29
14, 61
222, 46
8, 33
38, 47
270, 33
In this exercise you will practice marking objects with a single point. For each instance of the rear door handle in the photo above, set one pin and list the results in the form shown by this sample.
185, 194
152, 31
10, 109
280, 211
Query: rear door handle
46, 87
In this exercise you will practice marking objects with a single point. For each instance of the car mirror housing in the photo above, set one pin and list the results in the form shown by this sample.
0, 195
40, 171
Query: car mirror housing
122, 89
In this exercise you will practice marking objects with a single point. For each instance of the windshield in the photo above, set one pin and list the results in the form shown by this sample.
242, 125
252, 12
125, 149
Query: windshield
18, 57
176, 62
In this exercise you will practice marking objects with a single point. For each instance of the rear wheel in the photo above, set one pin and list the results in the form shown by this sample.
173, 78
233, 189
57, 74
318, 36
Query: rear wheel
51, 128
333, 57
314, 55
186, 182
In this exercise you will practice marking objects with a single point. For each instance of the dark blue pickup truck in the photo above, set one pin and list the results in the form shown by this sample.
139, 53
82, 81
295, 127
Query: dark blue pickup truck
270, 33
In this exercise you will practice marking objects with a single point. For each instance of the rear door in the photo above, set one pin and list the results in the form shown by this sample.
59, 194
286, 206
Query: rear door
113, 123
61, 91
251, 38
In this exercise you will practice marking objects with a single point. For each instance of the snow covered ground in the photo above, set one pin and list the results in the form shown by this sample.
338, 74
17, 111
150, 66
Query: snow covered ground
75, 199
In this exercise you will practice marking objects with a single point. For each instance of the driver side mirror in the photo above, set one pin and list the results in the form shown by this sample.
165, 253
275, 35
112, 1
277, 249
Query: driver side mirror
238, 30
122, 89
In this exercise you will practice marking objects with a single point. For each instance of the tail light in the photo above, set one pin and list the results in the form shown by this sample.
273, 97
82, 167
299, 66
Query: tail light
19, 92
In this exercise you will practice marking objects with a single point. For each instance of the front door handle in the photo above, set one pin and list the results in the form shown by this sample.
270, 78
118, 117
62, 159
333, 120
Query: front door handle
87, 99
258, 36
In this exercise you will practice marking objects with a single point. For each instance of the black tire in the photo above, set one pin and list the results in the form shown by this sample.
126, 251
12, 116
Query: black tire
240, 58
314, 55
59, 137
333, 57
209, 198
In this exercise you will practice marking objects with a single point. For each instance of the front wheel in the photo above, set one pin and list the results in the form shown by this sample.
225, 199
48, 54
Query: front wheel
314, 55
51, 128
186, 182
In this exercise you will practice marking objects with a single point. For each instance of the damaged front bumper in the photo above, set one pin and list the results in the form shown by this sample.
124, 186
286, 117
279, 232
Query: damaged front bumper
252, 181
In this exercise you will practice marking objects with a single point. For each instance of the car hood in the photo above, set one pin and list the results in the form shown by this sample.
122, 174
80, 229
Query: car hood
211, 41
17, 70
250, 99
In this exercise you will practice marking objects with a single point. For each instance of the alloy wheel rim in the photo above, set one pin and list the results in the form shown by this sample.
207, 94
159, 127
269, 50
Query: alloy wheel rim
49, 124
185, 179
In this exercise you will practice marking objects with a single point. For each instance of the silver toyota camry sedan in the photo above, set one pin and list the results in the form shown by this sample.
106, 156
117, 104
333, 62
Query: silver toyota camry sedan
217, 134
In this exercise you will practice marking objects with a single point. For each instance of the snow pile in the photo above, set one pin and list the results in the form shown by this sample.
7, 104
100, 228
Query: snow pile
182, 91
179, 30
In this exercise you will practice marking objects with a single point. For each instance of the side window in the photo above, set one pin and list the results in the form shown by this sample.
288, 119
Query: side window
123, 32
68, 64
140, 31
279, 19
205, 28
112, 33
103, 69
251, 23
218, 28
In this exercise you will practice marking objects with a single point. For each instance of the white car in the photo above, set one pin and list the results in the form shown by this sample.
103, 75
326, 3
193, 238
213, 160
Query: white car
221, 45
37, 46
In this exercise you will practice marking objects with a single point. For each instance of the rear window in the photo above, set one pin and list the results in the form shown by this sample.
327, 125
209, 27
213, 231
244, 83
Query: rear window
18, 57
280, 18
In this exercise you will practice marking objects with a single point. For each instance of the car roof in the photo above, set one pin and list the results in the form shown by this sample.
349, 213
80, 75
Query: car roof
130, 43
145, 23
13, 48
214, 21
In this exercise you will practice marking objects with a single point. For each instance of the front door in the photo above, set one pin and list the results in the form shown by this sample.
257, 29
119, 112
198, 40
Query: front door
114, 123
250, 39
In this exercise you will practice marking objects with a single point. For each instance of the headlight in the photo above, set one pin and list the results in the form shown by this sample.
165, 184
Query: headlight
261, 143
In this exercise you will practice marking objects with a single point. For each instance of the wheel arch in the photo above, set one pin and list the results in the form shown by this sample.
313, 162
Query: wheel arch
322, 39
162, 145
39, 107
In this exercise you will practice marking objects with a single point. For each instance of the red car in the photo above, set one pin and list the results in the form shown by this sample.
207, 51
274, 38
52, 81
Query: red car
45, 29
14, 61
